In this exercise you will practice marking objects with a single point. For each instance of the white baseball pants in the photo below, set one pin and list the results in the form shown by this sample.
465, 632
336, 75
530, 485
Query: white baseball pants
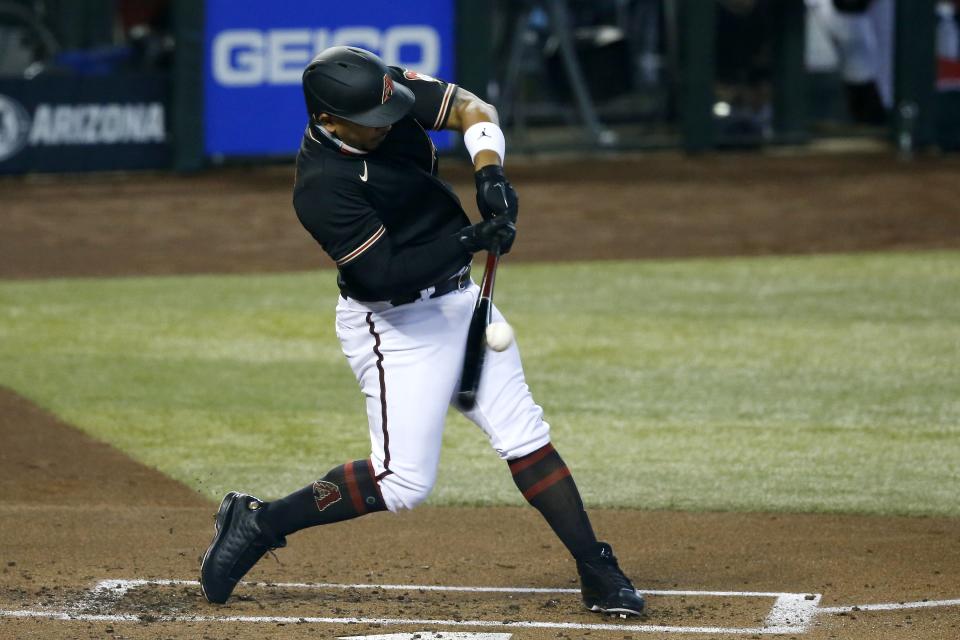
407, 360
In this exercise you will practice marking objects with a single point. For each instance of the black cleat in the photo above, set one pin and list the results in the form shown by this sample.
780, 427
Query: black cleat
238, 542
603, 585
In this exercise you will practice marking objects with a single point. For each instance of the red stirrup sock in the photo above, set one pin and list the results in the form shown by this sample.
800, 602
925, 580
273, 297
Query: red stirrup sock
546, 483
346, 492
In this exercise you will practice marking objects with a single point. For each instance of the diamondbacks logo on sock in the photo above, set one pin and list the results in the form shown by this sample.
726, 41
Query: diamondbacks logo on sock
325, 494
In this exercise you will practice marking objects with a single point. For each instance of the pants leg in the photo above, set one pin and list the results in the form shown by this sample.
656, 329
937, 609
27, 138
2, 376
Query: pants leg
407, 361
505, 409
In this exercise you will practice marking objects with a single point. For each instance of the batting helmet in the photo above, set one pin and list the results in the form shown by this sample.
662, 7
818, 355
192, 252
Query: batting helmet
355, 85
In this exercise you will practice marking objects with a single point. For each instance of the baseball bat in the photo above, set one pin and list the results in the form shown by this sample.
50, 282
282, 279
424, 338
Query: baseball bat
475, 349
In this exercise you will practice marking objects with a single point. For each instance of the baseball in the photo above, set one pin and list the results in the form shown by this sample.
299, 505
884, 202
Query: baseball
499, 335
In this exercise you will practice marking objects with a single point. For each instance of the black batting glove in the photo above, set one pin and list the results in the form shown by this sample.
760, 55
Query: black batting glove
496, 233
495, 194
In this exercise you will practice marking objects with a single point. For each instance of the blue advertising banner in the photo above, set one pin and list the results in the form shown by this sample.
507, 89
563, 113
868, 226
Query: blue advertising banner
256, 52
68, 123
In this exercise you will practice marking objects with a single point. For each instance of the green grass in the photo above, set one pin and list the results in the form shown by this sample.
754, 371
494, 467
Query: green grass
824, 383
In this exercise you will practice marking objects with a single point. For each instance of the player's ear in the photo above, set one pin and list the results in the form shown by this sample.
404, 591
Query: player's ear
327, 121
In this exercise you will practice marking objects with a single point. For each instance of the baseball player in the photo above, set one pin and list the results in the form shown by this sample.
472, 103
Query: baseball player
855, 36
367, 190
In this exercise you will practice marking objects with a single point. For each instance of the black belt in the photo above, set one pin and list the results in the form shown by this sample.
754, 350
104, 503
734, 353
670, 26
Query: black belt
454, 283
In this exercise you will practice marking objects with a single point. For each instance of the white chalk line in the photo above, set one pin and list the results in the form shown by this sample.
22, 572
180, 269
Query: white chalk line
67, 615
122, 586
791, 613
639, 628
892, 606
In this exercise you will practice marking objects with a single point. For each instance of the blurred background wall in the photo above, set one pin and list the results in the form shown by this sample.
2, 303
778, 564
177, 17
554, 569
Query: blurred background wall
152, 84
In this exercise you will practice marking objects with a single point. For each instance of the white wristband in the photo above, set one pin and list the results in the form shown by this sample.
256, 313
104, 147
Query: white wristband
482, 136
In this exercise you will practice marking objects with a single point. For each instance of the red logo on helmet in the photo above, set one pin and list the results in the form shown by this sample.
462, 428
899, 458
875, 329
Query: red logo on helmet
387, 88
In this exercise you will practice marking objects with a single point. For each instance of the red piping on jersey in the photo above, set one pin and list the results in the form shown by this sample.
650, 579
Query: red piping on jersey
342, 146
383, 397
369, 242
441, 116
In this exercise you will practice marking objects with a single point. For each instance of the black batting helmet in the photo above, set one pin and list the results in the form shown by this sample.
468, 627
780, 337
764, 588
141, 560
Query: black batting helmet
355, 85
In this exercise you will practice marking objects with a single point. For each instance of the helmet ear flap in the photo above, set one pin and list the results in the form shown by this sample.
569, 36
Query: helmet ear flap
314, 105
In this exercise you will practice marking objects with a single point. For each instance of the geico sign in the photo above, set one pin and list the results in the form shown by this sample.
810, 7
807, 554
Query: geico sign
249, 57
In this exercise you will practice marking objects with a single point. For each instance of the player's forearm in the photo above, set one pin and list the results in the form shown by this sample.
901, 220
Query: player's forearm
468, 110
479, 123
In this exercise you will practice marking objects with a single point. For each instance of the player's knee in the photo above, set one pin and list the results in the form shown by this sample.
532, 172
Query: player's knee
402, 492
524, 447
411, 499
528, 434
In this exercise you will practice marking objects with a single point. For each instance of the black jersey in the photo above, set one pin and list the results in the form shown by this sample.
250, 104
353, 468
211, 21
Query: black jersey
384, 216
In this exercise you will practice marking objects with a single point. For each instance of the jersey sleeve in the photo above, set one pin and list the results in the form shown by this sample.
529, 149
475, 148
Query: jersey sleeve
434, 97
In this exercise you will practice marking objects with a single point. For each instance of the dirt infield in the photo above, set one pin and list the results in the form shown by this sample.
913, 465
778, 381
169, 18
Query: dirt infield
76, 512
241, 220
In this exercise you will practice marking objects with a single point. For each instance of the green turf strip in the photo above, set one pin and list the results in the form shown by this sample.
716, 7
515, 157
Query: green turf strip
828, 383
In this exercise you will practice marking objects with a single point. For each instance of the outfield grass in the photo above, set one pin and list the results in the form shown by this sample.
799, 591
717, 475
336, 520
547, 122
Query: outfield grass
825, 383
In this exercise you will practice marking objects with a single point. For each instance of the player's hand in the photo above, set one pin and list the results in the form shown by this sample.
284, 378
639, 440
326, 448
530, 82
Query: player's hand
495, 194
497, 232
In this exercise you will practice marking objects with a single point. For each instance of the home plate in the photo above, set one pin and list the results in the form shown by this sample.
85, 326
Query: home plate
433, 635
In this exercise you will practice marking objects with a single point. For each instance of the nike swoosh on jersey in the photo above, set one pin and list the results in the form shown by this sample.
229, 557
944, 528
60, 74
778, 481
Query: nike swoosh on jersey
365, 174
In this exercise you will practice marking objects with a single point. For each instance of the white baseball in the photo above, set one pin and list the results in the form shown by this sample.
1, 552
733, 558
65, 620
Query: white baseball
499, 335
